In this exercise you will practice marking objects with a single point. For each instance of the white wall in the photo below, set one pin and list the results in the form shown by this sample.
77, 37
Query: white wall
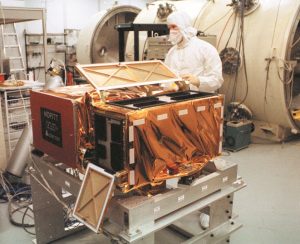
72, 14
105, 4
13, 3
64, 14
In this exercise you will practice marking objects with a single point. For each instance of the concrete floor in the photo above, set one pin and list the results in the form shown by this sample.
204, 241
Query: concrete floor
269, 207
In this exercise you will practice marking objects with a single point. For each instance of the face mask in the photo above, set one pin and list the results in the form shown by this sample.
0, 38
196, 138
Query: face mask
175, 37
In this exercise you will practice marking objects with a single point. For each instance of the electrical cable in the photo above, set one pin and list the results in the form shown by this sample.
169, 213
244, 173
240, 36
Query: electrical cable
19, 201
224, 29
240, 43
276, 20
295, 42
7, 189
244, 66
25, 226
218, 20
232, 29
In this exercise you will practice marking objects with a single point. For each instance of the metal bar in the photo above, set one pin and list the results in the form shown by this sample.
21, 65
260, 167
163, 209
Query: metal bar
136, 45
44, 22
7, 125
121, 46
112, 75
93, 197
81, 70
151, 72
167, 75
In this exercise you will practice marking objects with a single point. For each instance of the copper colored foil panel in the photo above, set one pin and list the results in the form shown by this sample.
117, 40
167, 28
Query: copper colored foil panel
174, 140
165, 141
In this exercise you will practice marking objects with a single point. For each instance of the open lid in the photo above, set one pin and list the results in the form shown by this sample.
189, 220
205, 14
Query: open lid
95, 192
126, 74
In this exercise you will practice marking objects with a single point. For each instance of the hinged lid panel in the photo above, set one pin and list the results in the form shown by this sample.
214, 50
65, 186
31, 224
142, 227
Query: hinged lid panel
126, 74
94, 194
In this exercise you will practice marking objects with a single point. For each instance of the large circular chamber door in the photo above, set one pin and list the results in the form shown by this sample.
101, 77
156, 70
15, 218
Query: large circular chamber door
98, 41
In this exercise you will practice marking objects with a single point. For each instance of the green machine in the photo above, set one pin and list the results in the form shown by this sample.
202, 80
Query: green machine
237, 134
238, 127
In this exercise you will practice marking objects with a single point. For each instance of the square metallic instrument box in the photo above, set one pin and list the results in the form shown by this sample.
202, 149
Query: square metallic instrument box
143, 139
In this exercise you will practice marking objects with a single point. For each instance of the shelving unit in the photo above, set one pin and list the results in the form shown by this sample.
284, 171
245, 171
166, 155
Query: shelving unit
34, 48
15, 104
10, 15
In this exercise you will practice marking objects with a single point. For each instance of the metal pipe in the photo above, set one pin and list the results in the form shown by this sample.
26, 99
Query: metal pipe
20, 156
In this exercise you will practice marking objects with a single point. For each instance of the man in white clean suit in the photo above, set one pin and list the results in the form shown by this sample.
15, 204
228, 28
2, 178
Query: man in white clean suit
196, 61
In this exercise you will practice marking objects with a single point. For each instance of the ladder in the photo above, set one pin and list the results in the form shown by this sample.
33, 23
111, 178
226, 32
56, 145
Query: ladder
12, 51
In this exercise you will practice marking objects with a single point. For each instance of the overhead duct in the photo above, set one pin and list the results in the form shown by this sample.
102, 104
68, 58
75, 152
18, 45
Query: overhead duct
98, 41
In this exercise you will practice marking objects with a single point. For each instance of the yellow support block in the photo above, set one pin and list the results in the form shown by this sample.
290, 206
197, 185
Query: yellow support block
296, 114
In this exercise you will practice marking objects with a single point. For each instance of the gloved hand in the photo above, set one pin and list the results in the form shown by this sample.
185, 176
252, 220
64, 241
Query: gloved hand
191, 79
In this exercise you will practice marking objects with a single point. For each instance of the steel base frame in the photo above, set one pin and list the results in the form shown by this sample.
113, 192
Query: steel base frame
135, 219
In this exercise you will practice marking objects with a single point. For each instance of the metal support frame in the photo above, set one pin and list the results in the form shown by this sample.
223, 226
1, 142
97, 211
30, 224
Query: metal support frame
48, 212
213, 190
160, 29
135, 219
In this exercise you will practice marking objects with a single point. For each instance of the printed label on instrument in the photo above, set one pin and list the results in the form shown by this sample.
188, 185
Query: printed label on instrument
218, 105
131, 137
131, 156
182, 112
200, 108
220, 147
138, 122
225, 179
131, 177
222, 112
221, 130
162, 116
51, 126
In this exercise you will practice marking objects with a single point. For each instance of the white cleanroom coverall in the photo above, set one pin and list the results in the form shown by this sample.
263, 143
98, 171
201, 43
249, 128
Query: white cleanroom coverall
191, 57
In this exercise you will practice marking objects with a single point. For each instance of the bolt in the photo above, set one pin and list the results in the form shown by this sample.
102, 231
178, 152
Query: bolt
228, 240
211, 235
229, 217
228, 196
232, 223
231, 202
227, 211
